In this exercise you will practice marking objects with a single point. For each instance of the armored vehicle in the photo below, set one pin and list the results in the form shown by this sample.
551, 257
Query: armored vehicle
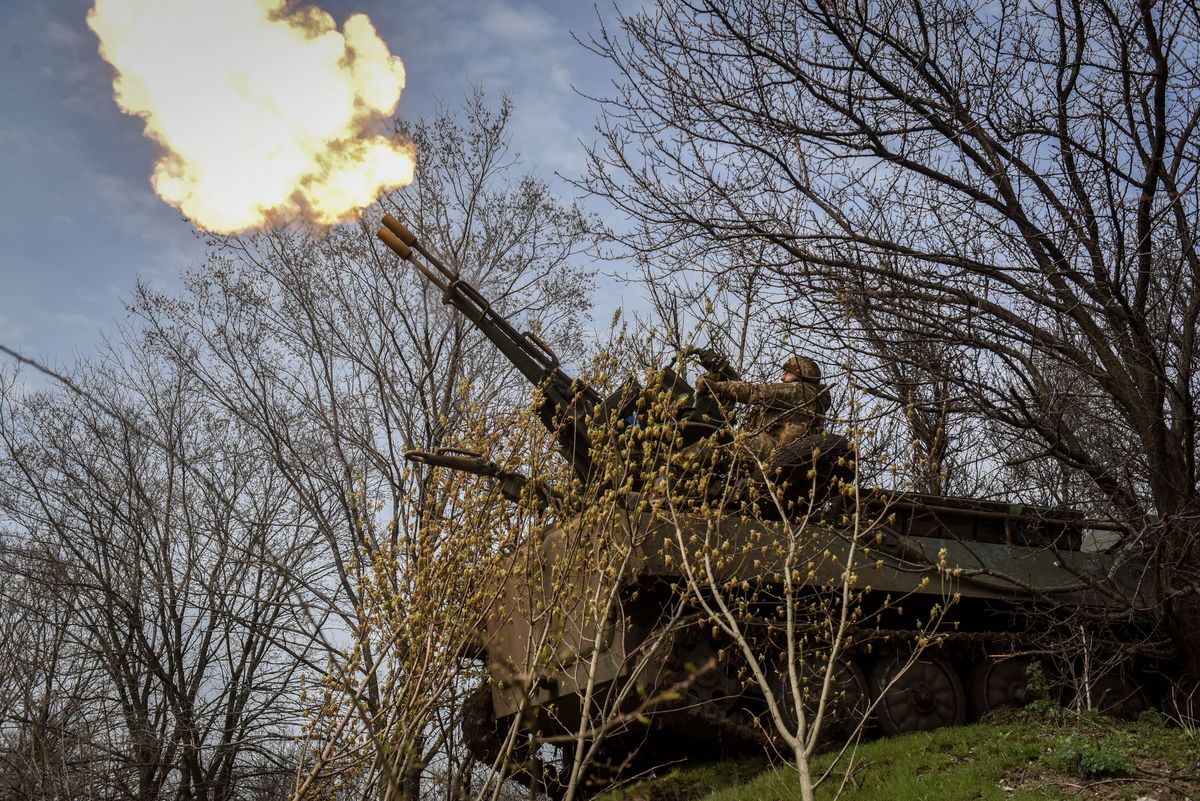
647, 628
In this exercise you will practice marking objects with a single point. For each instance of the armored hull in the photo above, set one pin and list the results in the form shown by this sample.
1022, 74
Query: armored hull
611, 622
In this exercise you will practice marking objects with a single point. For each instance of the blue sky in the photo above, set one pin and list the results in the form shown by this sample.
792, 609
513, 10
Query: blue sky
78, 220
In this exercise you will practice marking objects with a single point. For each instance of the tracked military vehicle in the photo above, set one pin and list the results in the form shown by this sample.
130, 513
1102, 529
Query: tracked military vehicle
573, 634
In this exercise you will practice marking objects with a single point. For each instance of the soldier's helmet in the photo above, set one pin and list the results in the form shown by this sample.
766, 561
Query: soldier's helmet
804, 367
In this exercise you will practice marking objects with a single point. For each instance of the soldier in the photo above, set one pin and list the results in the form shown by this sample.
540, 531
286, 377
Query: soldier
787, 417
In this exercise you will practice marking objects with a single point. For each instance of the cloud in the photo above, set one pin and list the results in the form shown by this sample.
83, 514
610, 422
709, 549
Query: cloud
544, 133
10, 330
135, 204
513, 47
70, 57
560, 76
77, 319
63, 35
523, 24
136, 209
14, 141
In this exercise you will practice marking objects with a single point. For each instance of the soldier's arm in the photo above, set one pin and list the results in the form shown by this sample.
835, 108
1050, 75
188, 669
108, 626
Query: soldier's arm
794, 395
733, 391
774, 396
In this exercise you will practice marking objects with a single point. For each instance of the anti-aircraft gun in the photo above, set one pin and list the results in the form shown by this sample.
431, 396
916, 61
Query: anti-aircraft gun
567, 407
571, 410
1015, 569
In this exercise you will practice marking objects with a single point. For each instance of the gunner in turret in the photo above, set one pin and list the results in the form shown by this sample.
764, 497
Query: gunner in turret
784, 416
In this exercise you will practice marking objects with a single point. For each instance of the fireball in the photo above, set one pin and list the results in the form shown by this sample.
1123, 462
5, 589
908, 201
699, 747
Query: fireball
264, 111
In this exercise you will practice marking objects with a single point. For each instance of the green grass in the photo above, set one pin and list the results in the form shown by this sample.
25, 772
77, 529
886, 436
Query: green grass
1043, 754
949, 764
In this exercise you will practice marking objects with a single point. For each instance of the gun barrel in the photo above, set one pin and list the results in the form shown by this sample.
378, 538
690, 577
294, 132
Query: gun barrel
567, 403
409, 240
454, 460
400, 230
393, 242
516, 487
400, 248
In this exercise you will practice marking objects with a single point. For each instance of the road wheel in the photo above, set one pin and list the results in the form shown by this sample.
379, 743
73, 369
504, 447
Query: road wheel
846, 707
926, 696
999, 684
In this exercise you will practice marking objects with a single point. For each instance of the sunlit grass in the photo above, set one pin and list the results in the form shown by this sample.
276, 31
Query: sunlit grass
1040, 754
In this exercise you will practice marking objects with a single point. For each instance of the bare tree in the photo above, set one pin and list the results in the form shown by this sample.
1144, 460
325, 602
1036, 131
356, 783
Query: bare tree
160, 586
338, 359
51, 738
1014, 184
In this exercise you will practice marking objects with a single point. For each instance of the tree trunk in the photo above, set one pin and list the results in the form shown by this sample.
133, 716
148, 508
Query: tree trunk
1183, 624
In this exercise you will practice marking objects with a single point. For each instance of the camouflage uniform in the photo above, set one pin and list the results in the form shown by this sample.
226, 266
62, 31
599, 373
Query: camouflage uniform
784, 415
785, 427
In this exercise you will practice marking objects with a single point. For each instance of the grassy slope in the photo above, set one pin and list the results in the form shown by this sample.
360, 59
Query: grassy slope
1042, 753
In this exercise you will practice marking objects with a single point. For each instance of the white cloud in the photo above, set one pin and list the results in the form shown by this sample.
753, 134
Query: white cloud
59, 33
511, 47
136, 208
10, 330
560, 76
77, 319
71, 58
14, 141
545, 135
523, 24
